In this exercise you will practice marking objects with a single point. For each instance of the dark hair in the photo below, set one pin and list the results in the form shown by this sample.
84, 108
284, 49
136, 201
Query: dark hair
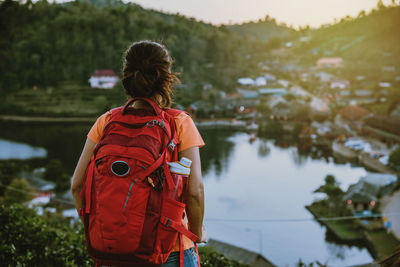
147, 72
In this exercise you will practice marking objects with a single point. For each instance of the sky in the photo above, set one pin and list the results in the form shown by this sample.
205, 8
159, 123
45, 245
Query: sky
292, 12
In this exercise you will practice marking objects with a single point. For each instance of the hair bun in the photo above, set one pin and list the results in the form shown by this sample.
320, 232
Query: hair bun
147, 72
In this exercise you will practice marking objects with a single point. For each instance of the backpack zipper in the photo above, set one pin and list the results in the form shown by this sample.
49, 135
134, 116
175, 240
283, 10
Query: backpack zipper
129, 193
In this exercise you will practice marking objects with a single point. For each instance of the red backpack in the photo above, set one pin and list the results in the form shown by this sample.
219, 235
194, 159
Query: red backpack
132, 204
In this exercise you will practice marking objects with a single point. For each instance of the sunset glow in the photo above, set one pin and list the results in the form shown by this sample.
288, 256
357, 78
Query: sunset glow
291, 12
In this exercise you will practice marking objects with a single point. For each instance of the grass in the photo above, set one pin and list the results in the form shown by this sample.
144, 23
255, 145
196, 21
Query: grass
63, 101
345, 230
385, 243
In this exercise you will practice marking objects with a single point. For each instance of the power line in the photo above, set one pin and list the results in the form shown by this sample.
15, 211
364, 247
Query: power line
35, 194
340, 218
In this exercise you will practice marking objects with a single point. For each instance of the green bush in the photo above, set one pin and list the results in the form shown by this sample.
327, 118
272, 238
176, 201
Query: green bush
394, 159
17, 192
28, 240
211, 258
55, 173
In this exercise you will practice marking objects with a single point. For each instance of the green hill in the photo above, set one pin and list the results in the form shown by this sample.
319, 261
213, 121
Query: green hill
264, 30
44, 44
366, 41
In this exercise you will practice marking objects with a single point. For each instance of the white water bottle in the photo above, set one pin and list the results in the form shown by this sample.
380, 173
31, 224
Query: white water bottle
180, 167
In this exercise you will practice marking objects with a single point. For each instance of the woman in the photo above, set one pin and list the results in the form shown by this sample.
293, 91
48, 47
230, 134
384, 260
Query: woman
147, 73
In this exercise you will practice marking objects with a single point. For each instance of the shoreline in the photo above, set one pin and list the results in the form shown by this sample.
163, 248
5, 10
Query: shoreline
43, 119
363, 239
223, 123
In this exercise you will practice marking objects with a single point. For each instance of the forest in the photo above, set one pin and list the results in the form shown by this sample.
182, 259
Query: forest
45, 44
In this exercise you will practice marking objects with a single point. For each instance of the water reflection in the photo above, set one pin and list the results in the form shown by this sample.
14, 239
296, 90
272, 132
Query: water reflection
14, 150
215, 155
263, 149
62, 142
267, 179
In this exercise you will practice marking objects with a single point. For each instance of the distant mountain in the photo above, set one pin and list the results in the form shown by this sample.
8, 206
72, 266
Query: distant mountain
263, 30
372, 38
103, 2
55, 43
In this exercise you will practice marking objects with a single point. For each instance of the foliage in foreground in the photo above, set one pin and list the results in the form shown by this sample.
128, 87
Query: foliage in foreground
28, 239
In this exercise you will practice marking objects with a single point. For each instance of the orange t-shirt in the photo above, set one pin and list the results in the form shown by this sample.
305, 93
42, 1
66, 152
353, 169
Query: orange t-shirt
188, 137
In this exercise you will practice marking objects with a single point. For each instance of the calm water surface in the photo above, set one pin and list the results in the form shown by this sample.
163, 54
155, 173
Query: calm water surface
243, 181
262, 181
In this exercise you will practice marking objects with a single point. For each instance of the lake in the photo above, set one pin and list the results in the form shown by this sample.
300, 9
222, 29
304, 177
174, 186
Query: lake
255, 192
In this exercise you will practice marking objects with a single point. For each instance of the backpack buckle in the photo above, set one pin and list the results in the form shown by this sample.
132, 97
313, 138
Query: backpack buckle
168, 223
171, 146
151, 123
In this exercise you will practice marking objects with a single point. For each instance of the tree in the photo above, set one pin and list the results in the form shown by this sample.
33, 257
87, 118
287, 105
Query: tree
55, 173
380, 5
17, 192
8, 170
394, 159
330, 180
34, 242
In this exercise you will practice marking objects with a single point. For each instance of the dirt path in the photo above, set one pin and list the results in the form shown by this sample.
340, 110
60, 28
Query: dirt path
391, 209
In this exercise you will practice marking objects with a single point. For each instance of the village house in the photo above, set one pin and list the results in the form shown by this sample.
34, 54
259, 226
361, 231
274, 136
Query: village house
384, 84
267, 92
389, 68
364, 194
248, 94
396, 113
246, 82
340, 84
103, 79
357, 97
260, 81
329, 62
323, 76
351, 116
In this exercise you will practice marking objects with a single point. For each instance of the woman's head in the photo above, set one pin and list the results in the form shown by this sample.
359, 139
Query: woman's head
147, 72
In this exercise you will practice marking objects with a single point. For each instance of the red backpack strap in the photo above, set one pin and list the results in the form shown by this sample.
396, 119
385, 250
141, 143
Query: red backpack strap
151, 102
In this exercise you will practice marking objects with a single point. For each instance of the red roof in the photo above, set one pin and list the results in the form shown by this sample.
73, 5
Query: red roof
330, 61
105, 72
353, 112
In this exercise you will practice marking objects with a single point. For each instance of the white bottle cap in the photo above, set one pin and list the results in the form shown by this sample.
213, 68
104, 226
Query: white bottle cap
185, 162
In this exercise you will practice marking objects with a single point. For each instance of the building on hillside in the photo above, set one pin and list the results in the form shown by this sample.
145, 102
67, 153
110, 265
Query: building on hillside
329, 62
396, 113
242, 255
389, 68
246, 81
351, 118
248, 94
341, 84
353, 113
323, 76
384, 84
260, 81
364, 194
357, 97
272, 91
103, 79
